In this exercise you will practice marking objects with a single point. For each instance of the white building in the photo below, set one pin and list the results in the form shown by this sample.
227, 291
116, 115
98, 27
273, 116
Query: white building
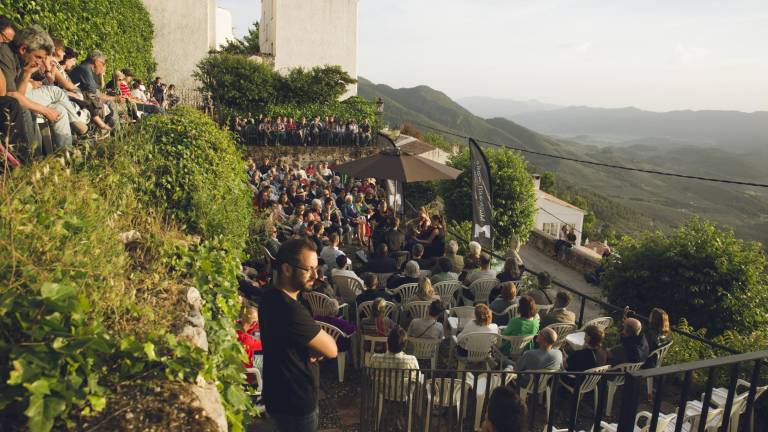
223, 27
301, 33
552, 213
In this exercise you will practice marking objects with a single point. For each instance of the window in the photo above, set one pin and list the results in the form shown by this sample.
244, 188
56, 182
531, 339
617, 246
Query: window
551, 228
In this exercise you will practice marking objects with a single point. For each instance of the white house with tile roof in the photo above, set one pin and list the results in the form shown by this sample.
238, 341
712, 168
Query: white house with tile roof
552, 213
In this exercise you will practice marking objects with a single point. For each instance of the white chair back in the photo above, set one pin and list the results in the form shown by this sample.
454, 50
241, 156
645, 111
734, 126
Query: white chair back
424, 348
478, 346
418, 309
424, 274
347, 287
602, 323
562, 330
518, 344
320, 304
543, 309
503, 317
365, 310
590, 381
383, 278
395, 384
624, 367
372, 342
481, 288
439, 391
406, 292
660, 352
446, 290
332, 330
545, 379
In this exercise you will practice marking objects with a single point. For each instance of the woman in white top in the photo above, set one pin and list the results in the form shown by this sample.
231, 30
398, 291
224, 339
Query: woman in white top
482, 322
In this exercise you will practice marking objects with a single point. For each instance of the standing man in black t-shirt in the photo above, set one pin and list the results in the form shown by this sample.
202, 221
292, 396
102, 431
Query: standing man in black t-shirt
293, 342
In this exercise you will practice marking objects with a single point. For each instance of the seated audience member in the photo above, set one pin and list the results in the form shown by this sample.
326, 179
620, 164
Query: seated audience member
342, 269
541, 358
411, 275
452, 253
395, 358
10, 129
484, 272
137, 93
425, 292
657, 333
378, 324
444, 271
506, 298
394, 237
317, 235
248, 336
428, 327
381, 262
506, 411
417, 254
273, 244
19, 60
482, 322
372, 290
526, 323
544, 294
84, 75
632, 347
331, 252
472, 259
591, 356
510, 272
559, 313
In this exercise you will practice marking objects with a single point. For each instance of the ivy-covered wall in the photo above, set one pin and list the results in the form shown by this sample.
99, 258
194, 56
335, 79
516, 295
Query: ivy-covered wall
120, 28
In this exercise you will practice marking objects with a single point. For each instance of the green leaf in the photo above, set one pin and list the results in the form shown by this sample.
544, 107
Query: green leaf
40, 386
149, 350
56, 292
35, 412
97, 402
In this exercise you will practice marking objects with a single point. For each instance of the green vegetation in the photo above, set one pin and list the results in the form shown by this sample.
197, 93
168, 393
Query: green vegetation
699, 272
514, 200
353, 107
248, 45
239, 85
120, 28
91, 290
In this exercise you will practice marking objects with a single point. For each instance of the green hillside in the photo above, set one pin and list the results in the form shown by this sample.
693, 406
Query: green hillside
628, 201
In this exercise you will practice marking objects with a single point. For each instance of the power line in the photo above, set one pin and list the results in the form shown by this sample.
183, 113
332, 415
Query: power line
621, 167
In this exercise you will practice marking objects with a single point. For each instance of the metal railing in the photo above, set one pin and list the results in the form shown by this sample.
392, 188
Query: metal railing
457, 400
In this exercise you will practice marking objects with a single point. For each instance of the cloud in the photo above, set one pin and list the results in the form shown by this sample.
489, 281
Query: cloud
576, 46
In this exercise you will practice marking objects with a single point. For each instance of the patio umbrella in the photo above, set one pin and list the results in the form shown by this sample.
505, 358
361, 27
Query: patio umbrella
396, 165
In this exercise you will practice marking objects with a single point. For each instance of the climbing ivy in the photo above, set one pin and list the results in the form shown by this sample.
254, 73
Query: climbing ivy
120, 28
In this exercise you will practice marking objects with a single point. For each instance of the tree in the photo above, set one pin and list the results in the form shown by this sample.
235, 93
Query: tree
514, 199
699, 272
321, 84
548, 182
237, 83
247, 46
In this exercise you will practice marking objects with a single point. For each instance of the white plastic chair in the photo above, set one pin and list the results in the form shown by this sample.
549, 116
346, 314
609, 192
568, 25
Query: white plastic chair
544, 309
615, 382
337, 334
692, 418
373, 342
446, 290
424, 349
417, 309
463, 313
365, 310
481, 393
396, 388
481, 289
720, 396
659, 353
562, 330
322, 305
504, 316
588, 384
478, 347
347, 287
661, 425
424, 274
602, 323
406, 292
383, 278
439, 394
258, 366
544, 387
517, 344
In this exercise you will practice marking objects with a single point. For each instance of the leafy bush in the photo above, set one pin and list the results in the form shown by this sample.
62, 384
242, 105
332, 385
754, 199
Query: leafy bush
248, 45
239, 85
353, 107
514, 200
122, 29
193, 170
699, 272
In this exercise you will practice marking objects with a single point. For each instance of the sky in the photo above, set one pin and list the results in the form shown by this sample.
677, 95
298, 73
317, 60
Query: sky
658, 55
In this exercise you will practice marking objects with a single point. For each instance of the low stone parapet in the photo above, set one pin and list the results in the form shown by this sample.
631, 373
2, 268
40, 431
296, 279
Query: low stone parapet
578, 258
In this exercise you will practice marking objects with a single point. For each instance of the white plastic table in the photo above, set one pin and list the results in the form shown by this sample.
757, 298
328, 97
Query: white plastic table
575, 340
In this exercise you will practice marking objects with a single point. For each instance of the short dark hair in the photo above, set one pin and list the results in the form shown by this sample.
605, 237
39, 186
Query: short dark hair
444, 264
436, 308
418, 249
562, 299
396, 340
341, 260
5, 23
596, 335
506, 410
370, 280
544, 280
485, 260
382, 249
527, 307
127, 72
290, 251
333, 237
317, 228
70, 53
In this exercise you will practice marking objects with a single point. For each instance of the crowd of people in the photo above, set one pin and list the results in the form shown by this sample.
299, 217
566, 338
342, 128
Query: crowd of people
316, 213
42, 82
285, 130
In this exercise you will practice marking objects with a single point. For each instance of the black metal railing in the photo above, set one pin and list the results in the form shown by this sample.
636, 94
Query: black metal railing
457, 400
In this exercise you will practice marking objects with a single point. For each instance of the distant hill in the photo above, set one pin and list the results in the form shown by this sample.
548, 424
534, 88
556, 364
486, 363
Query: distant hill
487, 107
728, 130
631, 201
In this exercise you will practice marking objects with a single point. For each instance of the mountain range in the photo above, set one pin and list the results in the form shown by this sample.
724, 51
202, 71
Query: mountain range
627, 200
728, 130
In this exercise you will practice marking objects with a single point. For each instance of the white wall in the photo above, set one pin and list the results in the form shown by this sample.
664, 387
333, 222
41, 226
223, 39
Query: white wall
184, 33
311, 33
223, 27
556, 213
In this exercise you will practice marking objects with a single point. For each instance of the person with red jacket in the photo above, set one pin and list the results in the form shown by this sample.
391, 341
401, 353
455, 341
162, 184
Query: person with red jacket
248, 334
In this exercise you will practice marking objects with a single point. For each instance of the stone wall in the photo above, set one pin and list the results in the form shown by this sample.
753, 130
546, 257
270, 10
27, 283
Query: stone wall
580, 259
304, 155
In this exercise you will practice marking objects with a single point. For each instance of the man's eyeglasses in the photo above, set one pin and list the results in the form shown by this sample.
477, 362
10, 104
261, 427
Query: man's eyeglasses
314, 270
